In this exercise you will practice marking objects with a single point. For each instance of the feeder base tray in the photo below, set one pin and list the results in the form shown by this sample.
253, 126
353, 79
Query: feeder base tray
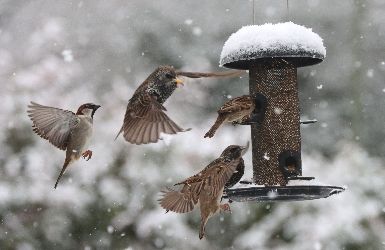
300, 178
282, 193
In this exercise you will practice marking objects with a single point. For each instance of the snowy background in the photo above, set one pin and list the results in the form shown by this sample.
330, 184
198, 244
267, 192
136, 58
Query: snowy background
65, 53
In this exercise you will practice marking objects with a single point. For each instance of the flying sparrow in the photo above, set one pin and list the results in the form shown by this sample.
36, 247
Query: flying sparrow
145, 117
206, 187
64, 129
235, 110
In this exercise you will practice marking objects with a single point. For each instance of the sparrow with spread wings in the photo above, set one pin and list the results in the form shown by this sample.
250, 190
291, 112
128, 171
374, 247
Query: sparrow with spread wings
145, 117
235, 110
64, 129
206, 187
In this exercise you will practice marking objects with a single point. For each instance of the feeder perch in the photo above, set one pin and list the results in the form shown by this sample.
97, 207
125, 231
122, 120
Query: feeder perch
272, 53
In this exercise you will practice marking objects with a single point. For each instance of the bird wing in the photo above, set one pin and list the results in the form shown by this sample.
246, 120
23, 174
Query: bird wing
182, 201
237, 104
229, 73
215, 177
201, 175
145, 120
52, 124
212, 179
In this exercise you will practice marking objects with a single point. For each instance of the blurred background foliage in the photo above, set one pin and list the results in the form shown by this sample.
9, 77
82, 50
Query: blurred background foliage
65, 53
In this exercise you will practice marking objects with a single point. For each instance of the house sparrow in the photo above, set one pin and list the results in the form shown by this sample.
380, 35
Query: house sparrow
64, 129
145, 117
237, 175
206, 187
234, 110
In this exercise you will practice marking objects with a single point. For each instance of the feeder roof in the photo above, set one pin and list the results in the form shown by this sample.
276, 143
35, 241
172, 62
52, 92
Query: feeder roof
255, 43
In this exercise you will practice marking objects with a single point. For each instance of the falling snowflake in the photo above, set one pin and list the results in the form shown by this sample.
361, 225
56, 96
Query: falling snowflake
197, 31
67, 55
110, 229
370, 73
272, 194
278, 111
188, 21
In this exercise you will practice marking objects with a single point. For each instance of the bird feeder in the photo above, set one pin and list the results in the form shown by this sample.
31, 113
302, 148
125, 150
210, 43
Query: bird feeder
272, 53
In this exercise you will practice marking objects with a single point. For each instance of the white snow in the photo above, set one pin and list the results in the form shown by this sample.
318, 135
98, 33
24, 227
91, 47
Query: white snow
197, 31
266, 156
110, 229
188, 21
253, 41
278, 111
67, 55
370, 73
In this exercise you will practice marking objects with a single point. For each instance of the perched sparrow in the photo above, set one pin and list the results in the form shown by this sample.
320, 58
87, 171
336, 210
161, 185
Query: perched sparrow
234, 110
64, 129
206, 187
237, 175
145, 117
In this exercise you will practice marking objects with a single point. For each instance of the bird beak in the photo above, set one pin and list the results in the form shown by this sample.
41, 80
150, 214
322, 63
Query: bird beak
178, 82
245, 148
97, 106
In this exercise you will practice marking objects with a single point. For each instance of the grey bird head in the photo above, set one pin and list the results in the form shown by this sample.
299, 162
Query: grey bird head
162, 83
88, 109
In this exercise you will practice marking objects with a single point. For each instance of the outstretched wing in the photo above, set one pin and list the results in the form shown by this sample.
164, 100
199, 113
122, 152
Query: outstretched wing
237, 104
52, 124
182, 201
211, 179
217, 176
145, 120
201, 175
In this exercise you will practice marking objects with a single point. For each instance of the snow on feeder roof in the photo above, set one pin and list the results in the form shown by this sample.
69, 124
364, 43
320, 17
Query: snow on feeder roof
254, 43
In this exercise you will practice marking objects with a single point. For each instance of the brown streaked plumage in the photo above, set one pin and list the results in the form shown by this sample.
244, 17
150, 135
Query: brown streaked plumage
205, 188
234, 110
145, 118
64, 129
238, 174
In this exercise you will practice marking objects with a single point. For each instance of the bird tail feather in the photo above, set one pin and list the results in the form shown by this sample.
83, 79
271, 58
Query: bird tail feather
65, 165
216, 125
120, 131
202, 227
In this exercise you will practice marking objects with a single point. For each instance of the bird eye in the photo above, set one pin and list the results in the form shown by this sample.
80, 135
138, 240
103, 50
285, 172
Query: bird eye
169, 76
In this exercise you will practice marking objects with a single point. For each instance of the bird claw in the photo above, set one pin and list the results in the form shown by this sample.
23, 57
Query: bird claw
225, 207
88, 154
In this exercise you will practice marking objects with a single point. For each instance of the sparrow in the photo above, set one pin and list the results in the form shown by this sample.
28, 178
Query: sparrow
145, 118
235, 110
64, 129
205, 188
237, 175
